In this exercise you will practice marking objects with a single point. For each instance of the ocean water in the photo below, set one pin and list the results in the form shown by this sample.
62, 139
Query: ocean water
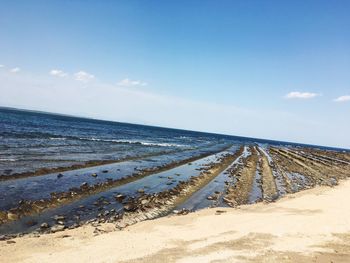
32, 140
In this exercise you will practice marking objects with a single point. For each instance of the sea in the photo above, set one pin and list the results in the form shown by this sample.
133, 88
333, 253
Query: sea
30, 141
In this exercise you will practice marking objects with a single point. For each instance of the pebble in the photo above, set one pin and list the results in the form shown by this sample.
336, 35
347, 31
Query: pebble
144, 202
129, 207
219, 212
44, 225
59, 175
12, 216
94, 175
119, 197
59, 218
57, 228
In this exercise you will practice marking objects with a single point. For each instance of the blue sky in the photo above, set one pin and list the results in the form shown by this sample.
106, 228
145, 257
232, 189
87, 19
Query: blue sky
267, 69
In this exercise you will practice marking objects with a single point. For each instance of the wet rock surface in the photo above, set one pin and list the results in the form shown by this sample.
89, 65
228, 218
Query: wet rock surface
240, 176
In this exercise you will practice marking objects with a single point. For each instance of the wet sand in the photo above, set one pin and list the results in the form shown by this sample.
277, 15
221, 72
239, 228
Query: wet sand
308, 226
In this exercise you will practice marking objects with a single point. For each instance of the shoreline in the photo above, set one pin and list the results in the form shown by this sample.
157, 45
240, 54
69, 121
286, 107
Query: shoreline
309, 225
85, 190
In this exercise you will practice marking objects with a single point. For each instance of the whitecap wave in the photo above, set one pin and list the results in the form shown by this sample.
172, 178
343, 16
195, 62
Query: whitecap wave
7, 160
58, 138
146, 143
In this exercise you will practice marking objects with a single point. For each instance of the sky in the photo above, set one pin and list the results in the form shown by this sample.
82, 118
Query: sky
265, 69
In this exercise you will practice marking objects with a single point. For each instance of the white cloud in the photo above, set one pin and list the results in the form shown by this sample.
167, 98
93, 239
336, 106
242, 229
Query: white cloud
1, 66
343, 98
131, 83
144, 107
83, 76
301, 95
15, 70
58, 73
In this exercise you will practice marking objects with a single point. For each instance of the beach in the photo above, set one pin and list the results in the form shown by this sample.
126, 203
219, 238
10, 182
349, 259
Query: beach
126, 193
308, 226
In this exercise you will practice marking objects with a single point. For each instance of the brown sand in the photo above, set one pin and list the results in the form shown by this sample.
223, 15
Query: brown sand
309, 226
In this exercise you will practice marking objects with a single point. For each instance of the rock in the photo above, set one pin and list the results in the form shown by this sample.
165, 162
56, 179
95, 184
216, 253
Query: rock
130, 207
84, 185
119, 197
57, 228
121, 225
210, 197
44, 226
3, 237
59, 218
10, 241
12, 216
75, 225
59, 176
227, 200
105, 171
106, 213
3, 215
219, 212
141, 191
144, 202
184, 211
60, 222
94, 175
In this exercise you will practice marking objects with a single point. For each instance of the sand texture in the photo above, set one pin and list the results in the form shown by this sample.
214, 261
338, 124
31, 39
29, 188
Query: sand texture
308, 226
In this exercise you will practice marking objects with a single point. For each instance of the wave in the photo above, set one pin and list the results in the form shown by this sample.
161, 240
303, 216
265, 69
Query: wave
146, 143
7, 160
50, 136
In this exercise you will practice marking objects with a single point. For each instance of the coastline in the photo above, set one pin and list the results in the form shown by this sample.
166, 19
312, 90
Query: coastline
311, 225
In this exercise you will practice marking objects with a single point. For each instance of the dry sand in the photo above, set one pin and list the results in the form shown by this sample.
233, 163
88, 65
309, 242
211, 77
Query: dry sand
309, 226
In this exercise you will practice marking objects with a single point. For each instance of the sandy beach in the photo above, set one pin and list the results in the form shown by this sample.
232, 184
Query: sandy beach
308, 226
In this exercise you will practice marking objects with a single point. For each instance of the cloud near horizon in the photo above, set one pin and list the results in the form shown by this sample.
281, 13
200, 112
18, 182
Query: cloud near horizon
344, 98
111, 102
58, 73
83, 76
15, 70
301, 95
131, 83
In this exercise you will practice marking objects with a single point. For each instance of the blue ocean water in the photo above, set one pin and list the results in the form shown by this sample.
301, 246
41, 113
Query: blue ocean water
33, 140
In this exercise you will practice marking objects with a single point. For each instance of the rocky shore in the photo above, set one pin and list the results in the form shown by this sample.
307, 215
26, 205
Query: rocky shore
249, 174
308, 226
